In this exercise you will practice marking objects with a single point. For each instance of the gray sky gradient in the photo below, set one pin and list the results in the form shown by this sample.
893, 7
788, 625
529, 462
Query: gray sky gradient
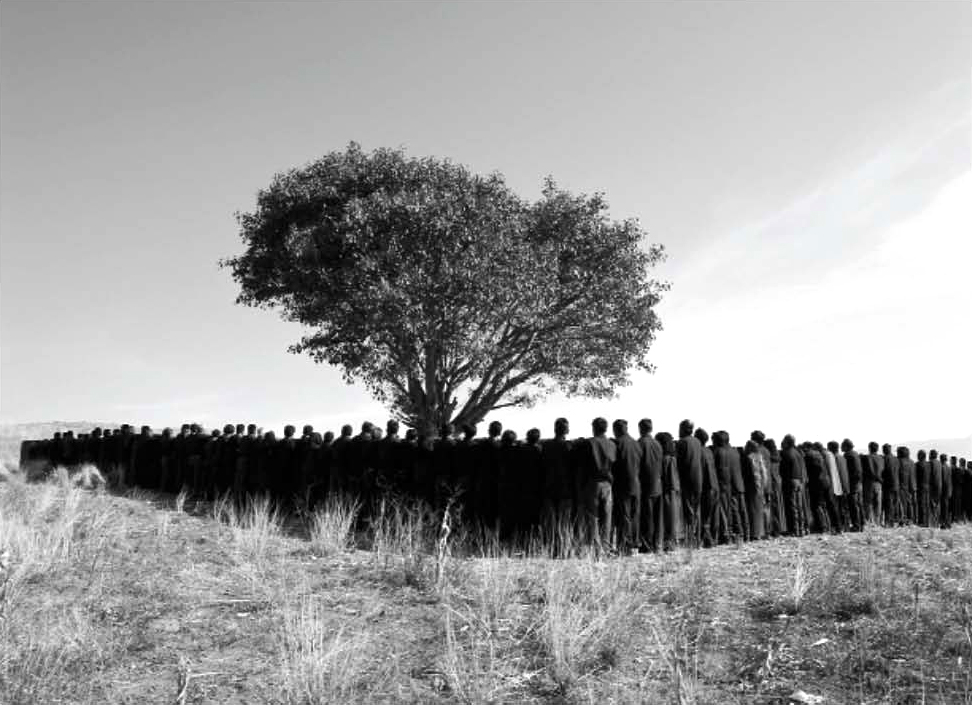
807, 165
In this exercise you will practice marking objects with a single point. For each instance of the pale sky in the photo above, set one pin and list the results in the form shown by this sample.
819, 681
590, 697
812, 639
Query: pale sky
807, 165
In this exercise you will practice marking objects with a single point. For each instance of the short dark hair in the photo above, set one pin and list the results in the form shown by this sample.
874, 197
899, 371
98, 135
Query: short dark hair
645, 426
599, 425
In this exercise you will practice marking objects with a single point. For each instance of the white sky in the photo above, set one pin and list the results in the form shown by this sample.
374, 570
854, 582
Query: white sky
807, 165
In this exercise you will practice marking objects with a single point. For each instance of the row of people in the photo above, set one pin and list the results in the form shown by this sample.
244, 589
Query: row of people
648, 492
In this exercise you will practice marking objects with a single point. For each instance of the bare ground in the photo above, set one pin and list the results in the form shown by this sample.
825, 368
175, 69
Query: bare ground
110, 599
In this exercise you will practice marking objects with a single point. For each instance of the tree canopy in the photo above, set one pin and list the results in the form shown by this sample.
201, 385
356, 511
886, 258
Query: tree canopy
445, 293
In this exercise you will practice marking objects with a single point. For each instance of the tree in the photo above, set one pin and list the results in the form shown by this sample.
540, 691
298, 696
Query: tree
445, 293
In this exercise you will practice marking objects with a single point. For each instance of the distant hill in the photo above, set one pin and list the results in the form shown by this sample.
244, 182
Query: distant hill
962, 447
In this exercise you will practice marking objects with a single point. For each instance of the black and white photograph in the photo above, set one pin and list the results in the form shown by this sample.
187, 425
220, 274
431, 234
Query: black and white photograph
565, 352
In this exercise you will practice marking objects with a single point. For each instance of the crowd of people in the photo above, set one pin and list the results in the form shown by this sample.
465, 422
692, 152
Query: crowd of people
649, 491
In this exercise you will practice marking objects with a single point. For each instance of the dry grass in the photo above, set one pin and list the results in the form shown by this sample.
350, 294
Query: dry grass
332, 526
114, 599
320, 664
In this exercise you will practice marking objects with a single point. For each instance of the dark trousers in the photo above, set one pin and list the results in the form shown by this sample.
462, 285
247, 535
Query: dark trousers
796, 517
855, 506
693, 518
892, 507
598, 505
713, 518
652, 523
627, 507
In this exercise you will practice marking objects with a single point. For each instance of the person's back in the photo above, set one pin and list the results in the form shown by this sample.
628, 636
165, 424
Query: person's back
688, 455
601, 454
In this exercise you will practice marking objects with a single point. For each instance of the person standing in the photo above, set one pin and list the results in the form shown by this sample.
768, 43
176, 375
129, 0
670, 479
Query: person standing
652, 518
855, 475
688, 454
794, 474
627, 488
598, 458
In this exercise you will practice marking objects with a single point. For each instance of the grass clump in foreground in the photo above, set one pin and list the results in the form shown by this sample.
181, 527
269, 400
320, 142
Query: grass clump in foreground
106, 598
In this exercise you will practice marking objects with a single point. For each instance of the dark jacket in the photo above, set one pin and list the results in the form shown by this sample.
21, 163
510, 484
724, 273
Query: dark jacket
688, 454
627, 467
651, 466
892, 470
855, 472
598, 458
792, 468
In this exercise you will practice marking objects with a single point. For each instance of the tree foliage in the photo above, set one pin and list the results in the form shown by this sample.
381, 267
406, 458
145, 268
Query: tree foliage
443, 291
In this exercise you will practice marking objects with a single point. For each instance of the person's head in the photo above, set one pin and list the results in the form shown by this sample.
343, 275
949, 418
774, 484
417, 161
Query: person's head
847, 445
307, 430
701, 435
933, 455
376, 433
195, 428
620, 428
411, 435
215, 433
346, 430
962, 463
329, 437
561, 427
750, 447
770, 444
495, 429
69, 434
757, 437
943, 458
685, 428
240, 429
872, 447
788, 441
447, 430
228, 429
251, 429
289, 431
667, 442
468, 431
116, 432
184, 429
366, 428
533, 436
886, 449
392, 427
645, 427
509, 437
817, 446
922, 455
902, 452
833, 446
954, 461
146, 431
57, 435
270, 437
599, 426
316, 440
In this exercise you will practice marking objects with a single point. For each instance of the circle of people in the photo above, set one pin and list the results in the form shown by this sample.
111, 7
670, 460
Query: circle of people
648, 492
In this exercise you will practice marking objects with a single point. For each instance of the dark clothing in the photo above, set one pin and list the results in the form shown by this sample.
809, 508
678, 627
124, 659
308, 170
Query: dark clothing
560, 480
627, 491
688, 455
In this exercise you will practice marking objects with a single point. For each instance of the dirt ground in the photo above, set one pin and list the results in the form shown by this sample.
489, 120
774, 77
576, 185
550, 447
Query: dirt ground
115, 599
